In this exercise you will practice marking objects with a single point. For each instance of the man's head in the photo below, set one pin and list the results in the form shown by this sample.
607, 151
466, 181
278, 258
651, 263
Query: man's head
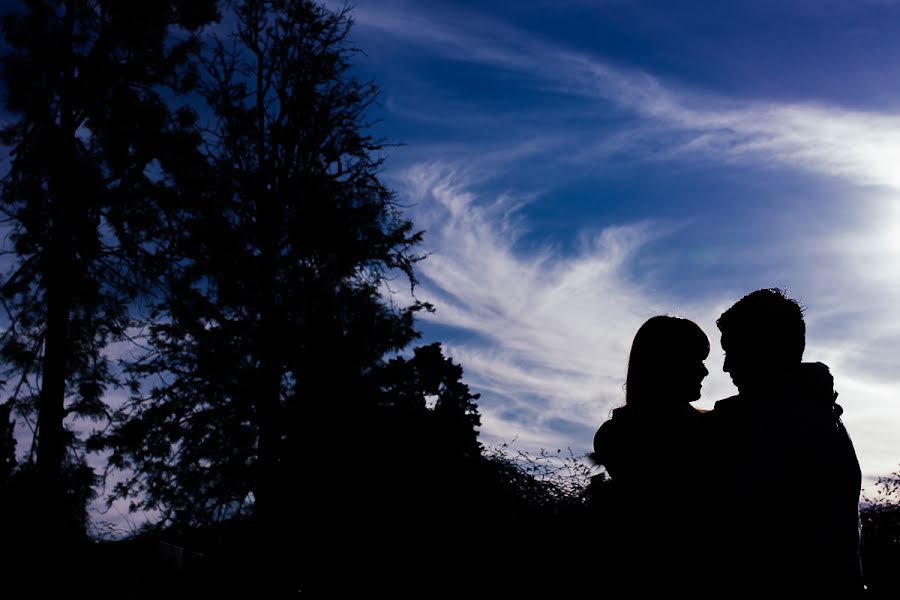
763, 336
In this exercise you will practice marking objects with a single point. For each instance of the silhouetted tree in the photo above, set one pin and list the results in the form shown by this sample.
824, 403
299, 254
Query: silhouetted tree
880, 547
275, 314
91, 145
429, 387
389, 484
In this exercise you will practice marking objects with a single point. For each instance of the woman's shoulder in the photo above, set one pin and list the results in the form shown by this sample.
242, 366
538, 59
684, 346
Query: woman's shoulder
610, 432
614, 440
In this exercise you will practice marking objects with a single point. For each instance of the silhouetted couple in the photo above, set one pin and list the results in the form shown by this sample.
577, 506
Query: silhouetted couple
755, 498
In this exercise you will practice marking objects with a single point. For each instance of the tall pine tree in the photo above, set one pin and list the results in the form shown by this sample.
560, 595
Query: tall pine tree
94, 149
275, 314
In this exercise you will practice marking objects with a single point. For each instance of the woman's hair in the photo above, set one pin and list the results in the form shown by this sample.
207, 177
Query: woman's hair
657, 345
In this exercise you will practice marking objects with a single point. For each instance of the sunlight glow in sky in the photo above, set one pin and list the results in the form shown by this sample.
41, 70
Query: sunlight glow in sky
581, 166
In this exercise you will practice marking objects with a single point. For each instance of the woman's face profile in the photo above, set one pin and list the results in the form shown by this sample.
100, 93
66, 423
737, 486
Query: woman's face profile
683, 377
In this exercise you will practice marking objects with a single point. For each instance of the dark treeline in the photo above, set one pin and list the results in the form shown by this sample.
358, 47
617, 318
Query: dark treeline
195, 221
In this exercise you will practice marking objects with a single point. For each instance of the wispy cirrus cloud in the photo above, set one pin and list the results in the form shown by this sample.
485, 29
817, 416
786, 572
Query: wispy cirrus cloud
862, 147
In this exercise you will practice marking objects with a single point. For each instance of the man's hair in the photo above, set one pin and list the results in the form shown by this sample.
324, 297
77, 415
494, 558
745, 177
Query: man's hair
769, 319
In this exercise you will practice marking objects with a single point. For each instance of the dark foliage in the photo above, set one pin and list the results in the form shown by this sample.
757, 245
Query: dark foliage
84, 80
273, 322
396, 498
497, 524
881, 540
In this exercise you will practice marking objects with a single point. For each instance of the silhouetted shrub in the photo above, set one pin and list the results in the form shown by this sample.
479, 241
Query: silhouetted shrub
881, 539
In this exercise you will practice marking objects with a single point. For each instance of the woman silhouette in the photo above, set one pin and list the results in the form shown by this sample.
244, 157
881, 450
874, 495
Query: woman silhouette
654, 450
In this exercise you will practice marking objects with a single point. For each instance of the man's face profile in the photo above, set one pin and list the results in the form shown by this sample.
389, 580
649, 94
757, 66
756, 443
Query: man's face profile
753, 361
745, 361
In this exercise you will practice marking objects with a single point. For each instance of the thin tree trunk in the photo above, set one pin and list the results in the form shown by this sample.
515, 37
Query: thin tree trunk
51, 442
269, 389
51, 431
269, 504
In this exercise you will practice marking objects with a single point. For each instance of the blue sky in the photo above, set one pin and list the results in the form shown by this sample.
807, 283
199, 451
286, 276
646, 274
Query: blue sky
581, 166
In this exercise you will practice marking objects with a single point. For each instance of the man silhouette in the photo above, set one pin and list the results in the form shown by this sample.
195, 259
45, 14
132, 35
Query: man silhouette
789, 479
